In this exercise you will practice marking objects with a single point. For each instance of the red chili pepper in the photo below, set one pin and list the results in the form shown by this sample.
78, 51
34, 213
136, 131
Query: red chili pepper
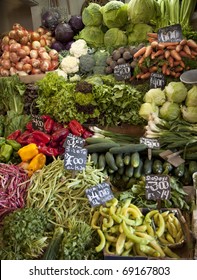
41, 136
60, 134
14, 134
53, 144
87, 134
23, 138
48, 151
76, 128
29, 126
48, 125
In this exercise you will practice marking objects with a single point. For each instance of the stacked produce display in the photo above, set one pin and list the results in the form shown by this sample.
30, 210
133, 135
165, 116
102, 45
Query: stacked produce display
98, 156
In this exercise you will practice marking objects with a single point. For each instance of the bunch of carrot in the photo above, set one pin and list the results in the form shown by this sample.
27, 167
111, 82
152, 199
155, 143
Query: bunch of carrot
164, 57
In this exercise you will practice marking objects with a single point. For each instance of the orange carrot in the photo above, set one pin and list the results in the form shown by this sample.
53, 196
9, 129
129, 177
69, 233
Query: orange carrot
154, 44
164, 68
152, 35
183, 42
153, 69
183, 54
146, 75
141, 60
140, 52
151, 39
153, 55
167, 71
191, 43
178, 75
194, 53
171, 61
159, 52
175, 55
173, 73
178, 48
177, 62
167, 44
171, 47
148, 51
182, 64
179, 69
187, 49
167, 54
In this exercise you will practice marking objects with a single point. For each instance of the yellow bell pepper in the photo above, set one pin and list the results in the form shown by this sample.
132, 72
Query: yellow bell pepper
36, 163
27, 152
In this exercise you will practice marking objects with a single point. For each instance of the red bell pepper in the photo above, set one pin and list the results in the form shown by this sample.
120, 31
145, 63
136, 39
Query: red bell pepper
60, 134
29, 126
23, 138
48, 125
87, 134
76, 128
48, 151
57, 126
41, 136
14, 135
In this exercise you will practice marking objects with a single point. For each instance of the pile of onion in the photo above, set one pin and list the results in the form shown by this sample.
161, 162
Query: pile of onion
27, 52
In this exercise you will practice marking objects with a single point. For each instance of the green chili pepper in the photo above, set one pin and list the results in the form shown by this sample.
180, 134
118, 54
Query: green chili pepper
5, 152
15, 145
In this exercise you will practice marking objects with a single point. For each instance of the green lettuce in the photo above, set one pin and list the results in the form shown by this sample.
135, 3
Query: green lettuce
91, 15
115, 37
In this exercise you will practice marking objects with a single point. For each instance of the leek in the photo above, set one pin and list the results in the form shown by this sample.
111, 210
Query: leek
186, 11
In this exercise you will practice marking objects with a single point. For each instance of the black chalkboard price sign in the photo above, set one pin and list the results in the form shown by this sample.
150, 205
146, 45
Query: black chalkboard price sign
151, 143
37, 122
122, 72
75, 158
157, 80
157, 187
172, 33
73, 141
99, 194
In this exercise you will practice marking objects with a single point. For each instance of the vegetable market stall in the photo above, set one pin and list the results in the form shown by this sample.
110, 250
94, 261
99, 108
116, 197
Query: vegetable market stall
86, 94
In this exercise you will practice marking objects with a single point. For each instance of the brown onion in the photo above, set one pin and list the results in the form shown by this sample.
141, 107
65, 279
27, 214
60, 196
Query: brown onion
12, 41
17, 26
5, 47
13, 71
14, 57
26, 59
5, 40
54, 64
45, 56
4, 72
21, 53
15, 47
35, 63
34, 36
43, 42
6, 64
20, 33
36, 45
33, 54
27, 49
45, 65
41, 30
54, 54
13, 35
35, 71
27, 68
6, 55
22, 73
24, 40
19, 65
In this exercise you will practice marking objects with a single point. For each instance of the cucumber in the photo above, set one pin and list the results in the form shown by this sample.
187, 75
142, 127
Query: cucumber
148, 163
167, 167
128, 148
157, 166
52, 251
95, 140
192, 166
94, 158
127, 159
101, 162
179, 170
138, 170
110, 171
135, 159
110, 160
129, 171
100, 147
119, 160
132, 181
125, 178
121, 170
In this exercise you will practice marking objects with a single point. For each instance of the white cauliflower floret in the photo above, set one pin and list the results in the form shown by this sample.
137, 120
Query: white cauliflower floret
75, 78
61, 73
79, 48
70, 64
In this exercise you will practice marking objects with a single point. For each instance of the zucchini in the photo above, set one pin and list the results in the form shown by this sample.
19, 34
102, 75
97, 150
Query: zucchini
95, 140
110, 160
52, 251
101, 162
135, 159
119, 160
129, 171
138, 170
192, 167
94, 158
157, 166
179, 170
167, 167
128, 148
148, 163
100, 147
127, 159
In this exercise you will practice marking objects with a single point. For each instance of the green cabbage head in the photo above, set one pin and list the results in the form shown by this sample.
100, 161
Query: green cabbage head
169, 111
189, 114
93, 35
114, 14
115, 37
91, 15
176, 92
143, 11
191, 99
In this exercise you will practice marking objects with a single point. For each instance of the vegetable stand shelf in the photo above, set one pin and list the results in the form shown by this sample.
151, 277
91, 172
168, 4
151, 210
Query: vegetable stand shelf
31, 78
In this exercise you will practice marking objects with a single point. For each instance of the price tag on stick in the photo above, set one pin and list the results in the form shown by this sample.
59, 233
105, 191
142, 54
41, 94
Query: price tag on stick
73, 141
75, 159
157, 80
99, 194
172, 33
122, 72
37, 122
157, 187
